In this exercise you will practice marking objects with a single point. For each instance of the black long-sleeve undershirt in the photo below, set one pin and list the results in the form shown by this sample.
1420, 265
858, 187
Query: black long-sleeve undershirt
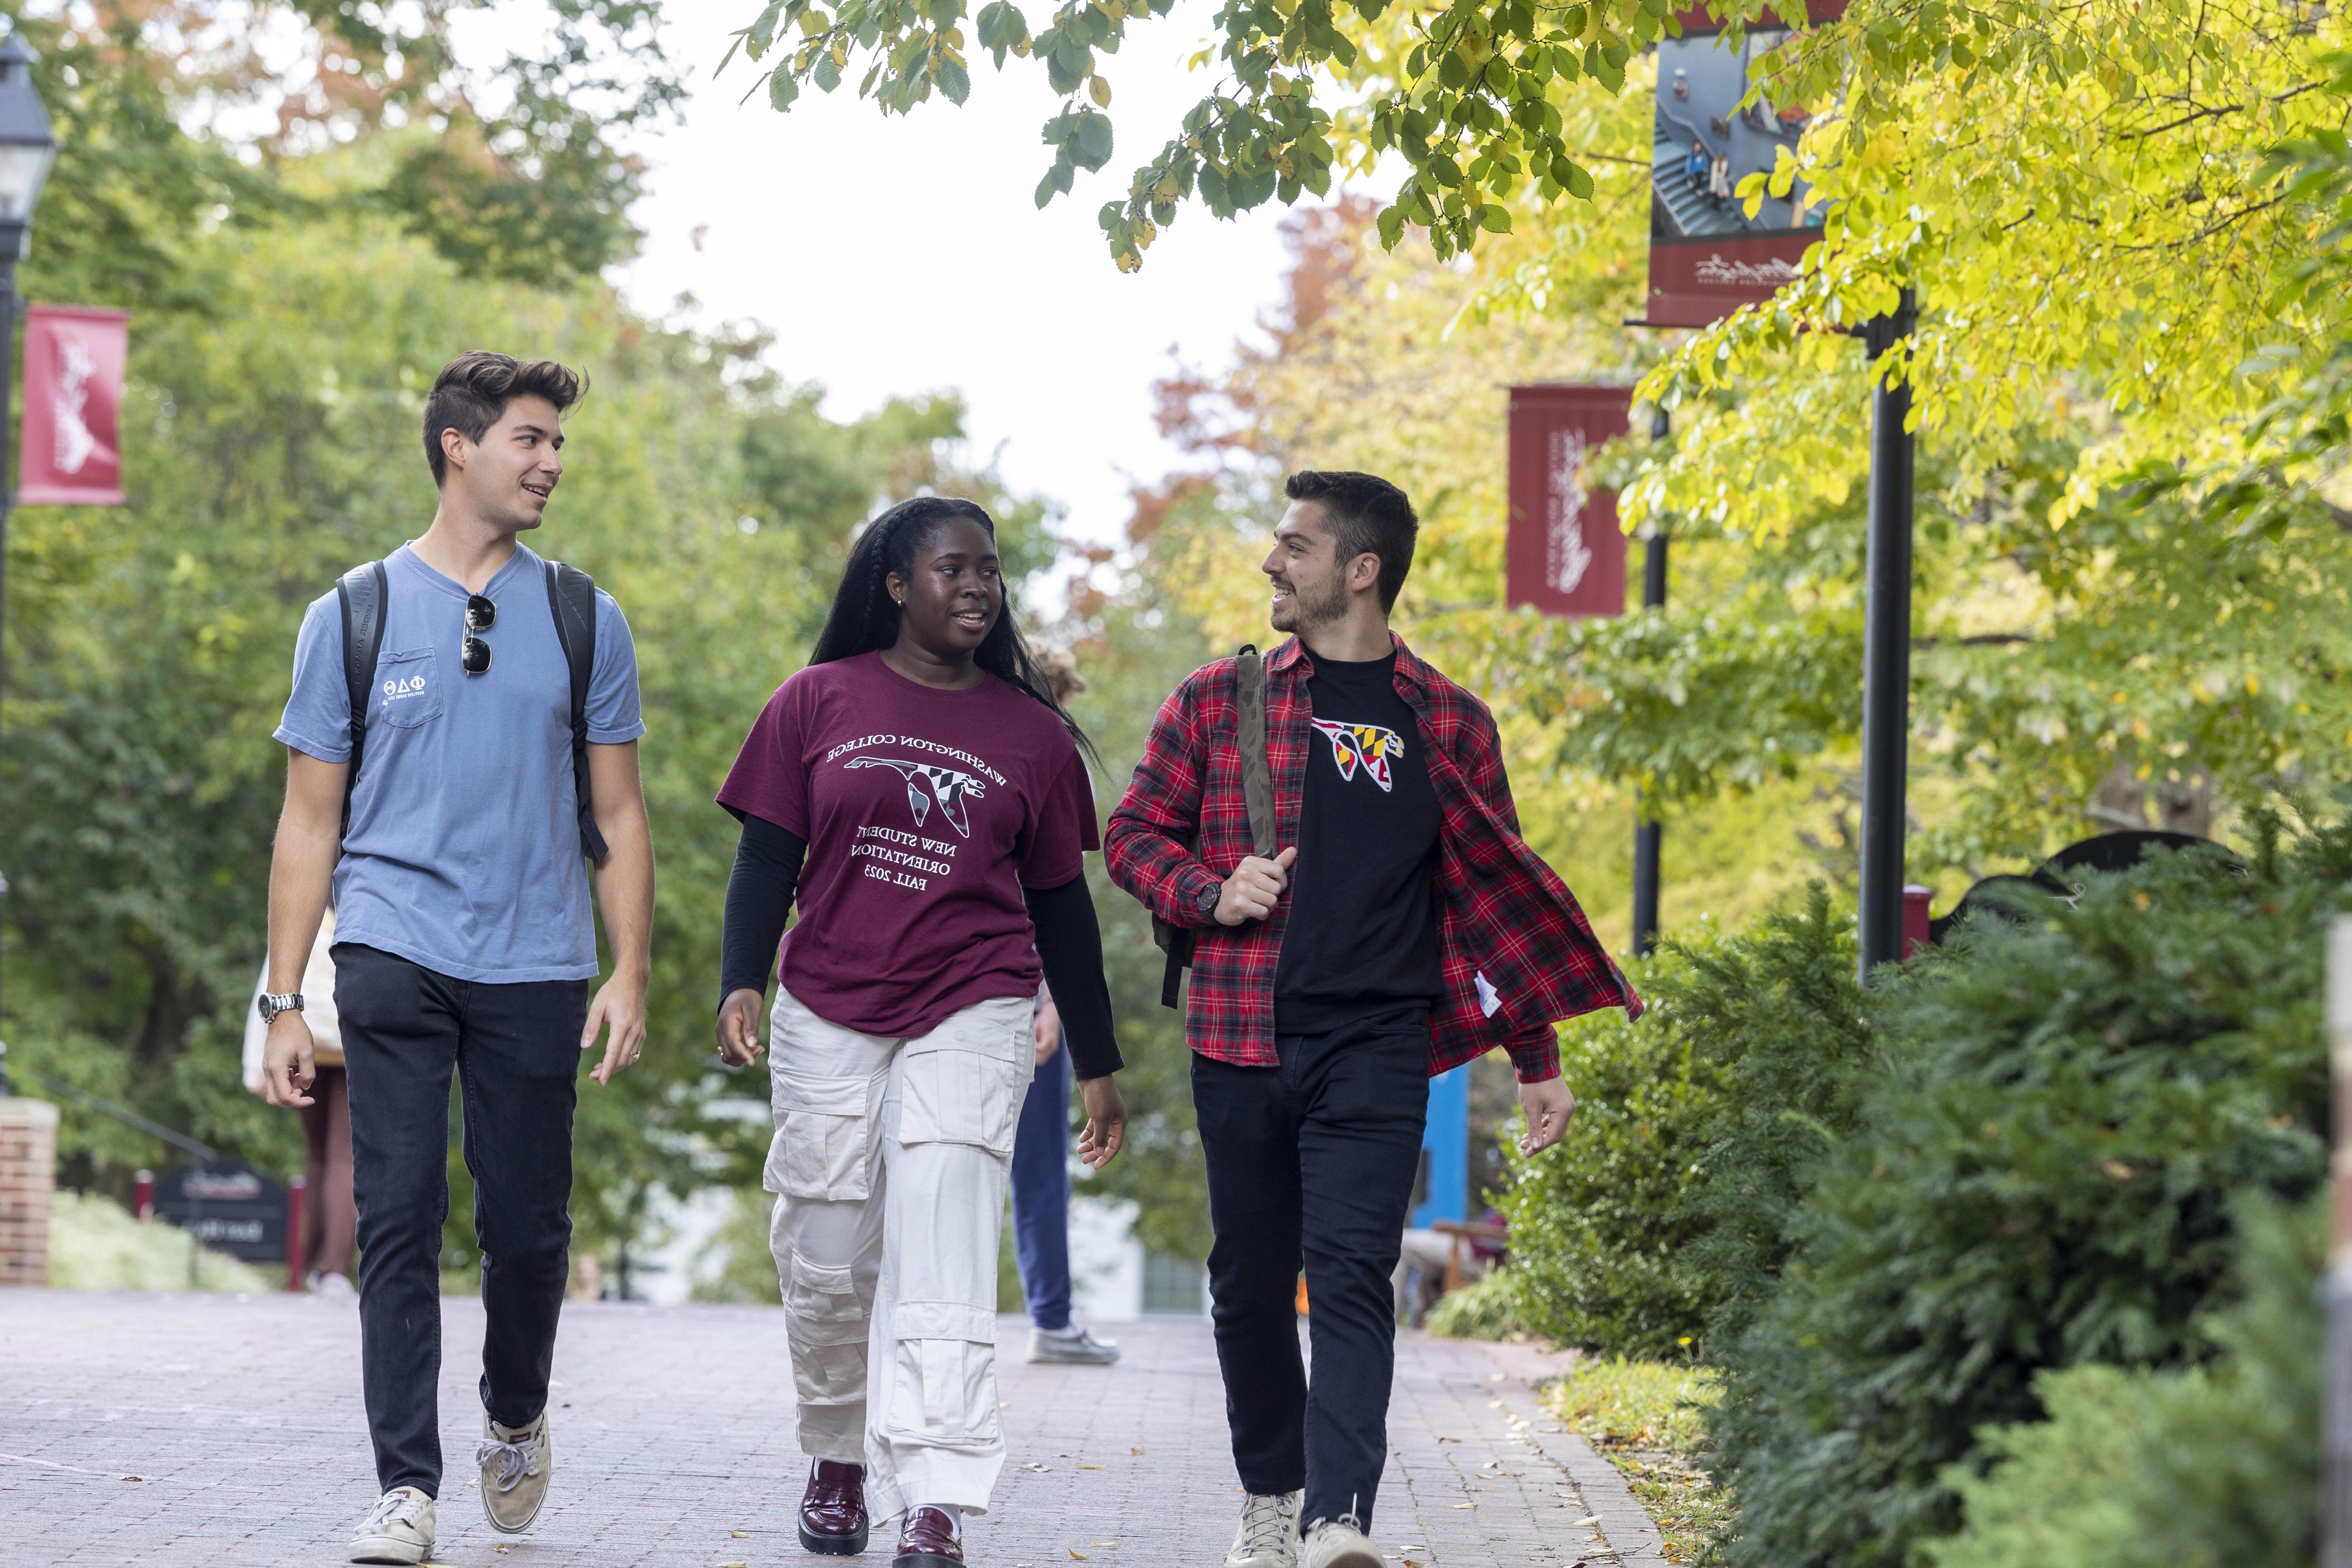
768, 861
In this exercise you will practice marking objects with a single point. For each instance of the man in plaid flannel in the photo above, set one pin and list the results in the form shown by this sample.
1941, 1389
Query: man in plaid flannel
1403, 928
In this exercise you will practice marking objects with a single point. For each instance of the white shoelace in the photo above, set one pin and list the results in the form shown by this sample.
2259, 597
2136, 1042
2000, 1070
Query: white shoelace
400, 1506
1265, 1523
514, 1459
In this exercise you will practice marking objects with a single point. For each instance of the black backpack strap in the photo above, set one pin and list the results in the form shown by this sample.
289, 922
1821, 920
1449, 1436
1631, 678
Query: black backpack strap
571, 600
360, 593
1257, 795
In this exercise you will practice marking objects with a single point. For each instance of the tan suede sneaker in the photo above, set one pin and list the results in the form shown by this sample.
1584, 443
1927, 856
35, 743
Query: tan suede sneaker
399, 1529
515, 1462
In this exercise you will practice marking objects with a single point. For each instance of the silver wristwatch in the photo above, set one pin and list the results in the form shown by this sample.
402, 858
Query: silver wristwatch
271, 1005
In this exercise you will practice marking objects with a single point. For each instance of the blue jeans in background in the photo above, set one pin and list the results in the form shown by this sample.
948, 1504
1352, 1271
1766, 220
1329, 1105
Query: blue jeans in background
1041, 1193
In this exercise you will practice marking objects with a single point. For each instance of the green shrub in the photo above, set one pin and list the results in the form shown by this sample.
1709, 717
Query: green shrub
1663, 1215
2044, 1176
1485, 1309
2201, 1468
1597, 1223
1779, 1028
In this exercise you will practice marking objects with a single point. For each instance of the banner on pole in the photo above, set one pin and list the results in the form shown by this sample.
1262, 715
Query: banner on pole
1564, 553
74, 363
1707, 256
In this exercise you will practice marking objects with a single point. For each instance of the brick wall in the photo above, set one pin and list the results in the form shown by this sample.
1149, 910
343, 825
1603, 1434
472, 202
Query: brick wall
28, 1158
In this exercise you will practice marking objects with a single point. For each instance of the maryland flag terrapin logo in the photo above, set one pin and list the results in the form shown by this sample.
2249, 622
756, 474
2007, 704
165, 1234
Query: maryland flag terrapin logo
1368, 746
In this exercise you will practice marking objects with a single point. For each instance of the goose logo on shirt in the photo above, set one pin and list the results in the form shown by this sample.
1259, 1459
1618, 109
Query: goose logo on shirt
1369, 746
948, 788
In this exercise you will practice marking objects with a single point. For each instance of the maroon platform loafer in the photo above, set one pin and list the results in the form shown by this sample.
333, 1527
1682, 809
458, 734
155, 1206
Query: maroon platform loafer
832, 1509
927, 1540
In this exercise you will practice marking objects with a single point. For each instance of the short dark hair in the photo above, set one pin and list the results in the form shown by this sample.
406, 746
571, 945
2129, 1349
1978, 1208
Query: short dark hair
472, 392
1370, 516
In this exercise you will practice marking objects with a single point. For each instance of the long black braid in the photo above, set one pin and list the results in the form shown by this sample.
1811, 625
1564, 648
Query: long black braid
865, 617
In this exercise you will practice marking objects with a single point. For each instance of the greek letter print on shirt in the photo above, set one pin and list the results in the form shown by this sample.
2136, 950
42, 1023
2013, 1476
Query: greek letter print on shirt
926, 814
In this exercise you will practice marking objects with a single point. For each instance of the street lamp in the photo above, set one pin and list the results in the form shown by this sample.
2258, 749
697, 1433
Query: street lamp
27, 148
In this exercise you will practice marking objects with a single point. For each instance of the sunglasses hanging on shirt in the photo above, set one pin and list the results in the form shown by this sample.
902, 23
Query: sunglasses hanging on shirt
481, 615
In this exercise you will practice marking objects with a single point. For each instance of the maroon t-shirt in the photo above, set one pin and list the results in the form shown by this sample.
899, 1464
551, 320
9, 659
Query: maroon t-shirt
926, 813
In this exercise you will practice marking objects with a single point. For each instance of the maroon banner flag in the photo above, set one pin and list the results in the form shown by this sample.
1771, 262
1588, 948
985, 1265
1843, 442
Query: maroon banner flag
74, 361
1707, 256
1564, 553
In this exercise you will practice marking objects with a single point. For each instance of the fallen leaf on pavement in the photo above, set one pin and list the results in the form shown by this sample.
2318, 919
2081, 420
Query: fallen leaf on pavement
740, 1534
1033, 1467
1084, 1466
1588, 1518
1080, 1555
1135, 1450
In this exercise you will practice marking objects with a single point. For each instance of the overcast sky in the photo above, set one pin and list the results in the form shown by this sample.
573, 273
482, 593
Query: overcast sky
905, 254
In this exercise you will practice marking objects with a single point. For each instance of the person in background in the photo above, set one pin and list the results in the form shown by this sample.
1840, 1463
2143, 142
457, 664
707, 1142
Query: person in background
1040, 1166
1718, 180
329, 1219
1694, 168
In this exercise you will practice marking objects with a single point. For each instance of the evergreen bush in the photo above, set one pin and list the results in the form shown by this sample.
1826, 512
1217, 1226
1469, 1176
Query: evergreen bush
2067, 1114
2206, 1467
1665, 1213
1599, 1223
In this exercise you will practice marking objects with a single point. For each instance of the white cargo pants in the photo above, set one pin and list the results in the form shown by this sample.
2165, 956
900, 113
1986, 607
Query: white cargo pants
890, 1166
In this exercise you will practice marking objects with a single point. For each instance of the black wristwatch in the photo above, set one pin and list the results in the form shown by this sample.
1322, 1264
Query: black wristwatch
1207, 902
283, 1002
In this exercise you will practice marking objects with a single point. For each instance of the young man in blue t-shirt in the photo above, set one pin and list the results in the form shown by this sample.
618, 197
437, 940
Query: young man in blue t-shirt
464, 940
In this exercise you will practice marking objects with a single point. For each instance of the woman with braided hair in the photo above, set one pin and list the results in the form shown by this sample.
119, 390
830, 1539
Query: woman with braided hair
919, 792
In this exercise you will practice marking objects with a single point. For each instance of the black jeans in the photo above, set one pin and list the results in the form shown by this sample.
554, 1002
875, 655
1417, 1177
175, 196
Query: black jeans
1314, 1161
516, 1049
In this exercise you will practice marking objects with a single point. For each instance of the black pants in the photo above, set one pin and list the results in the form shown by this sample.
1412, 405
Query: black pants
1312, 1161
515, 1049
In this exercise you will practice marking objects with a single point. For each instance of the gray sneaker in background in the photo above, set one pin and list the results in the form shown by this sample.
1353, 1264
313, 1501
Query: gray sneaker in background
1072, 1346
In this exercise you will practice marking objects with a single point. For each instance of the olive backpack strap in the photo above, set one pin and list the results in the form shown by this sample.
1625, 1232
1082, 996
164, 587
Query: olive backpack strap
1257, 795
1249, 719
360, 594
571, 600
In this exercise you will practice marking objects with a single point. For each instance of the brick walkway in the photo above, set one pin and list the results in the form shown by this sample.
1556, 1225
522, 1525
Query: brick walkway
194, 1431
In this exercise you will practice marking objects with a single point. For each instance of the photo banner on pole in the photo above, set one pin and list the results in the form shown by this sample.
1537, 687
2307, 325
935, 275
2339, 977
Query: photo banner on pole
1707, 256
74, 358
1564, 553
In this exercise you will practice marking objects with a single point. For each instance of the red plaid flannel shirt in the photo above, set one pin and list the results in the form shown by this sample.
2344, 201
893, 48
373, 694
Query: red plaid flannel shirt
1516, 951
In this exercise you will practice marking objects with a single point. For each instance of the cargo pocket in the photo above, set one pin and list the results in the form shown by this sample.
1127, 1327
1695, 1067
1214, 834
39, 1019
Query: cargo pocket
826, 1325
955, 1089
943, 1382
819, 1149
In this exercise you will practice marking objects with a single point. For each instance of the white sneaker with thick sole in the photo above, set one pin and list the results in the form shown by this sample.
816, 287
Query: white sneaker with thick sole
399, 1529
1268, 1536
514, 1461
1072, 1346
1337, 1544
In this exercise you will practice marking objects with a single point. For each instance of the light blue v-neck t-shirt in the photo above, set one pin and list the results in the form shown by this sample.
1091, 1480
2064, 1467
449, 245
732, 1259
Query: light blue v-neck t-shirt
463, 854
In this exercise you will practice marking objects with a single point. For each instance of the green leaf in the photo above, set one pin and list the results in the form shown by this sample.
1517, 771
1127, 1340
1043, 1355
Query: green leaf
1094, 139
1579, 181
1495, 219
955, 81
781, 88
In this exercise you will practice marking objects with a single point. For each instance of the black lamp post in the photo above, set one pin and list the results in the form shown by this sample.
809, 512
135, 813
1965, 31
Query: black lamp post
1886, 651
27, 147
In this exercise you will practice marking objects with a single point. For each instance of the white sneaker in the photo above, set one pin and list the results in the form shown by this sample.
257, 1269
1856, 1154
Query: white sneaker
1072, 1346
399, 1529
1268, 1536
514, 1461
1337, 1544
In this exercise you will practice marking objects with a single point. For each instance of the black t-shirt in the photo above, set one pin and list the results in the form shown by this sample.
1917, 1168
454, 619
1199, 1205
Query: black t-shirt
1363, 936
